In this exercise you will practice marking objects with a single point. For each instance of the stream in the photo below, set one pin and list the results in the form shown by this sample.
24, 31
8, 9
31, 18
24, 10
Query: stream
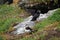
21, 27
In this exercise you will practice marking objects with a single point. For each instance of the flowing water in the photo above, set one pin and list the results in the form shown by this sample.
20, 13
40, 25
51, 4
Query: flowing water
21, 27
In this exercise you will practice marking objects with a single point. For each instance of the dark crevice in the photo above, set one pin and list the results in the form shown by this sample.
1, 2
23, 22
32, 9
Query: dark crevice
6, 1
42, 7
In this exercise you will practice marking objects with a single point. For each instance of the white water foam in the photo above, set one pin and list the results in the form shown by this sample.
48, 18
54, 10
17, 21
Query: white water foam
20, 28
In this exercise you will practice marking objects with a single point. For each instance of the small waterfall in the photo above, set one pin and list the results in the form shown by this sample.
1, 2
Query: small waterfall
21, 27
46, 15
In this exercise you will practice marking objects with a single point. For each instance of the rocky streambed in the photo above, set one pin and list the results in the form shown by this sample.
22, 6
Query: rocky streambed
21, 27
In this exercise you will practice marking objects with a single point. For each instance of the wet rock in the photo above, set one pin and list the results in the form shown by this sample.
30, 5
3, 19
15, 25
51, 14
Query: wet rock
2, 1
21, 27
6, 1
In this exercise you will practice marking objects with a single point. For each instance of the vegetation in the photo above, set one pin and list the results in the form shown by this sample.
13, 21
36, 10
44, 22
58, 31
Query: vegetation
10, 14
47, 24
1, 38
55, 17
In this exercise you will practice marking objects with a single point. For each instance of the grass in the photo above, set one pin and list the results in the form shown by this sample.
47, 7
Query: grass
54, 38
1, 38
10, 14
41, 25
55, 17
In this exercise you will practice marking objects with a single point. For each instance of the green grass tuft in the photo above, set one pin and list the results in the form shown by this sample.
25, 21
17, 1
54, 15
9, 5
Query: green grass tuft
9, 15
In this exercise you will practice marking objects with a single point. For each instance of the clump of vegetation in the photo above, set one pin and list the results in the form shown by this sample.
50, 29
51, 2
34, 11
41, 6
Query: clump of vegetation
1, 38
9, 14
51, 19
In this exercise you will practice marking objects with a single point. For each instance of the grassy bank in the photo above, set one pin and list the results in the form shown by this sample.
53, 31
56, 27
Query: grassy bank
9, 15
48, 24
